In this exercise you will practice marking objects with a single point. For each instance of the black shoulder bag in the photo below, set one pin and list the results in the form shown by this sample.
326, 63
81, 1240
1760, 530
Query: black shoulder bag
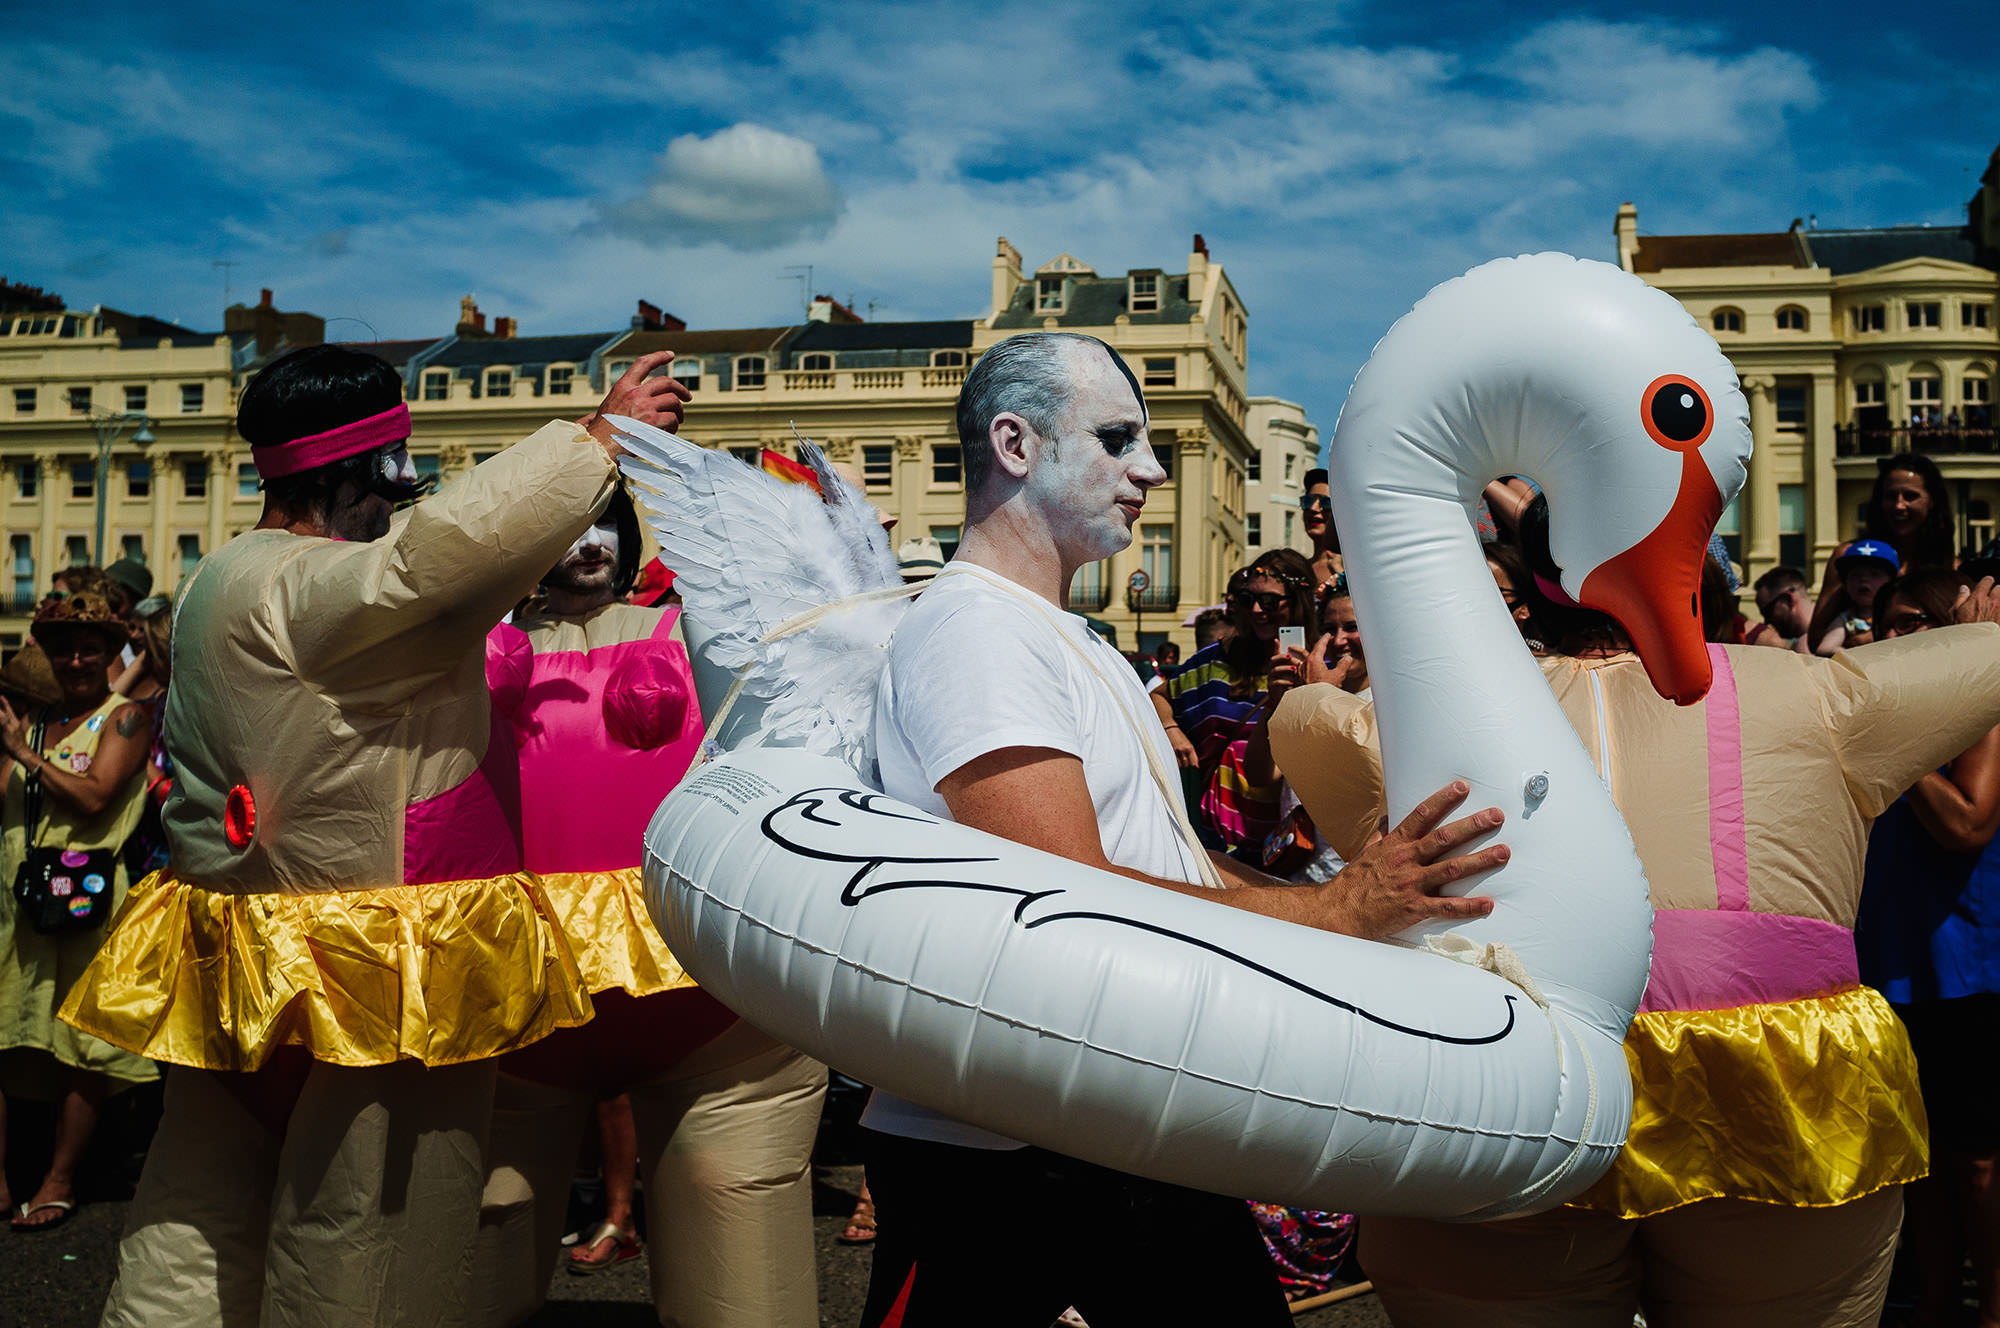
59, 889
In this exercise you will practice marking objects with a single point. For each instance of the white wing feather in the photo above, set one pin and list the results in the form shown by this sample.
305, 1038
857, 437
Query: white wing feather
751, 552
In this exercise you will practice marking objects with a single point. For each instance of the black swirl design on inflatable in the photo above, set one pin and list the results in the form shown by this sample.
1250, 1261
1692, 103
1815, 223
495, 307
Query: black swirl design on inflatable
810, 804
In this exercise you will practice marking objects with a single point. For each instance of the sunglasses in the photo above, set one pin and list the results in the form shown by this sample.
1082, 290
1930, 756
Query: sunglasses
1905, 623
1316, 502
1270, 601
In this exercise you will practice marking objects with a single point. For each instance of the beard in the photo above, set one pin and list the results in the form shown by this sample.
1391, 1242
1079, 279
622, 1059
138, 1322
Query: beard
362, 521
576, 577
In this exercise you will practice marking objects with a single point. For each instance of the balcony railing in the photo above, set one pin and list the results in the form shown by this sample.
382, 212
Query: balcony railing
1860, 440
1154, 598
1089, 596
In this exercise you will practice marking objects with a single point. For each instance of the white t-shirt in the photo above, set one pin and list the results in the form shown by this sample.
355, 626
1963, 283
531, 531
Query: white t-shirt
980, 664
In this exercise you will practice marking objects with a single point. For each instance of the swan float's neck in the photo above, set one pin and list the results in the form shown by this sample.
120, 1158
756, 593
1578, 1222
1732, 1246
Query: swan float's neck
1459, 696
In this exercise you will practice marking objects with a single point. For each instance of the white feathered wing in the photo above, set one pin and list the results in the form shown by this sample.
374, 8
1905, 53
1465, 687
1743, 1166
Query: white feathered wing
750, 554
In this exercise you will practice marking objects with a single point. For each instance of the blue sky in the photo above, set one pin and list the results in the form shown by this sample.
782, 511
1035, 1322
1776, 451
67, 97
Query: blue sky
561, 160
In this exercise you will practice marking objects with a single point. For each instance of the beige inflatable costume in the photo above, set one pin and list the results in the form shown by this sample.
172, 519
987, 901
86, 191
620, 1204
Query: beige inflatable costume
346, 936
1776, 1113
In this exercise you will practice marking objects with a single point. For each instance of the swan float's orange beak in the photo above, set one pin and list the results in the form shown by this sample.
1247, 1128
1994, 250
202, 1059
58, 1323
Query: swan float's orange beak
1654, 588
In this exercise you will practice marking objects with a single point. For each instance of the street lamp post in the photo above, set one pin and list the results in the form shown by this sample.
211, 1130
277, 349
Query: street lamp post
108, 427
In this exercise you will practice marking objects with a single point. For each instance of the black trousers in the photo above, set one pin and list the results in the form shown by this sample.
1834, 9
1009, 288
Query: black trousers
973, 1238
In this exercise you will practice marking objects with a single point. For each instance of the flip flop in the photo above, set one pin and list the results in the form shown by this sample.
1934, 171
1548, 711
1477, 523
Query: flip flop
63, 1207
624, 1246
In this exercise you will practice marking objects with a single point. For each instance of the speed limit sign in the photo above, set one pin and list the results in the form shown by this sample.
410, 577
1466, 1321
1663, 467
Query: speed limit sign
1138, 582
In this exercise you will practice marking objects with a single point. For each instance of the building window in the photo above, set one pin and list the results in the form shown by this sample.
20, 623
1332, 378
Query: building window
1976, 391
192, 395
947, 538
1253, 529
437, 384
190, 551
1727, 320
24, 401
1159, 372
688, 374
135, 398
22, 549
1048, 295
1164, 454
481, 458
749, 456
77, 548
947, 359
1156, 555
1868, 318
878, 466
817, 362
427, 467
138, 479
133, 547
1255, 474
1145, 293
27, 479
1288, 528
194, 480
749, 371
947, 467
246, 480
1791, 399
83, 479
559, 380
1792, 525
1974, 315
1925, 313
499, 382
1791, 318
79, 400
1926, 393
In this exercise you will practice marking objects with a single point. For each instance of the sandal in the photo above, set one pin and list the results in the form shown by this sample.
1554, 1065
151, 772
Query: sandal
860, 1227
607, 1246
61, 1207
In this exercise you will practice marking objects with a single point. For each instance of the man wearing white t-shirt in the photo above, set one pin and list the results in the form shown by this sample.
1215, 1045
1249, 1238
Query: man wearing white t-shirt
1002, 710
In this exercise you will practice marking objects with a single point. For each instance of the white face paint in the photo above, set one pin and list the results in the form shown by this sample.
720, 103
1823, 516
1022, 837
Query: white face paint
602, 538
1090, 482
397, 468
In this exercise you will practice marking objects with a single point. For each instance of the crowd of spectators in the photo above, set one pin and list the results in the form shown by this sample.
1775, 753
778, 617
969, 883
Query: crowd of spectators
84, 766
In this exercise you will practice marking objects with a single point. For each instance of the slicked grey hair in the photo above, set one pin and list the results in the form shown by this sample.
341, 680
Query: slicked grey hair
1030, 376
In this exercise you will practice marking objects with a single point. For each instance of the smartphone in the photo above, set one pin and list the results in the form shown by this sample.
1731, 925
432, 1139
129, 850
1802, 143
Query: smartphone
1291, 638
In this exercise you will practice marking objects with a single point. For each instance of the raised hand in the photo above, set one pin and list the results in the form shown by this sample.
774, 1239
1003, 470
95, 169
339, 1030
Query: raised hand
656, 401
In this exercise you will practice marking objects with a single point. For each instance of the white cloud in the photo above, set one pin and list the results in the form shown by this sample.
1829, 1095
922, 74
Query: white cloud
745, 187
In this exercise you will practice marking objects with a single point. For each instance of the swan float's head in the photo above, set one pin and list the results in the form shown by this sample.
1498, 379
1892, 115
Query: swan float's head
1600, 389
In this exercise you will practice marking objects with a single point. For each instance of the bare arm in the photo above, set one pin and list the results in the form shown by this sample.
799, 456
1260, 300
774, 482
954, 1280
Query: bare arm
1961, 806
1037, 796
1831, 605
655, 401
121, 749
1183, 745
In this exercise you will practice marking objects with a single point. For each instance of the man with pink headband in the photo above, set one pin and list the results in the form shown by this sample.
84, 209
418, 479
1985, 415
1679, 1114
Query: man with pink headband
347, 937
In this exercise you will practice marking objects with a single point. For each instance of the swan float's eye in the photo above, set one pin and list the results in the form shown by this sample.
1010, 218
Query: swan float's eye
1676, 413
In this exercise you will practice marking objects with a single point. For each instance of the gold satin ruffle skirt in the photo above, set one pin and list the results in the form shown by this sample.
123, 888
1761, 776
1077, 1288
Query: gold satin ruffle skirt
603, 915
439, 973
1807, 1103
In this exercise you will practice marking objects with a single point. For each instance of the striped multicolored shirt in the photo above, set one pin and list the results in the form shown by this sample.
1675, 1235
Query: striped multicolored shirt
1242, 814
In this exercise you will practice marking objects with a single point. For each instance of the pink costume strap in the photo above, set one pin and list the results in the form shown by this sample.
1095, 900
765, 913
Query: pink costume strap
323, 449
1727, 832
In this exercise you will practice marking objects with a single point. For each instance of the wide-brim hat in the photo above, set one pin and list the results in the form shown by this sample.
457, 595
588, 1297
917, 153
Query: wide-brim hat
131, 576
28, 674
84, 610
920, 556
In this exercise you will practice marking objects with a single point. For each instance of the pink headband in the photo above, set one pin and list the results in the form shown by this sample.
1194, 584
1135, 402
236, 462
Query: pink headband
323, 449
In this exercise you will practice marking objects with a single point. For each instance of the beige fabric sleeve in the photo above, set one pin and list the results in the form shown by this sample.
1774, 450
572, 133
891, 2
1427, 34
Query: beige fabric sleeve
1325, 741
1898, 709
385, 618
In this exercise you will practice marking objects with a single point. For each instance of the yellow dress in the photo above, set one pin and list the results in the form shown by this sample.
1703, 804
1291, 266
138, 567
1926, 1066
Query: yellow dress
37, 971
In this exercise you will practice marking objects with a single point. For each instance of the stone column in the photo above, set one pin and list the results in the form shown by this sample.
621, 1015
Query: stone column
1759, 506
1827, 521
48, 556
1192, 478
159, 545
913, 481
221, 492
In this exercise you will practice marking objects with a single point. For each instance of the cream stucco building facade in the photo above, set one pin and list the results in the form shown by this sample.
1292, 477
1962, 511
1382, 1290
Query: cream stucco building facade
878, 396
1851, 345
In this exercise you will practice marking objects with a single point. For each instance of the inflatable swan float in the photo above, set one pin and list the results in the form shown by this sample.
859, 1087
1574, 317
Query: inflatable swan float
1162, 1034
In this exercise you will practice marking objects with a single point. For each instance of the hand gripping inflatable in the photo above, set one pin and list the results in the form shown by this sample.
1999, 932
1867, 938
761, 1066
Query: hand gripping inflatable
1164, 1035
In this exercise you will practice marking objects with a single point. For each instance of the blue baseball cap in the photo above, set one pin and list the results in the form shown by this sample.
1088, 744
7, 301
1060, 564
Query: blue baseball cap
1880, 550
